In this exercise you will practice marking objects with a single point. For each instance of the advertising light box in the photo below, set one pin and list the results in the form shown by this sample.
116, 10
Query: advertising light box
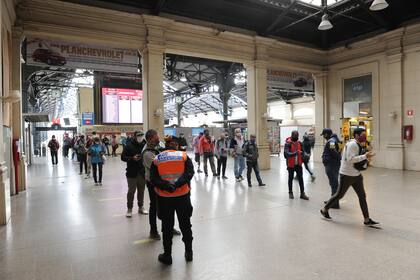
121, 105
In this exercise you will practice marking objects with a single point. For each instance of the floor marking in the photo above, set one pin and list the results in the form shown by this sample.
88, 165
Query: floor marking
143, 241
110, 199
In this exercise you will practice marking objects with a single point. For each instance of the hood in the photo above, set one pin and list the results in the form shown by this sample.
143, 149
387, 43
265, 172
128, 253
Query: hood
334, 136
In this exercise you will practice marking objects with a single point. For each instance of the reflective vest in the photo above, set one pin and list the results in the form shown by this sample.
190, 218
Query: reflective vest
294, 146
171, 165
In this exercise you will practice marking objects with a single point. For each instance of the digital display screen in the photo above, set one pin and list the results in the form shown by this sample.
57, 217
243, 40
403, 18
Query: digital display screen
121, 105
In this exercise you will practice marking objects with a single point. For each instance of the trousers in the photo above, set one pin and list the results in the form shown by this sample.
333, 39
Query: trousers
250, 166
135, 184
299, 173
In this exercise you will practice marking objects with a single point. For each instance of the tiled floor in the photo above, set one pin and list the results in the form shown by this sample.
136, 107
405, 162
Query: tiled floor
63, 227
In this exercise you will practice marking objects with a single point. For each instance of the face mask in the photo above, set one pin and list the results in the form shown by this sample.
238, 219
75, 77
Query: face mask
362, 138
295, 138
252, 141
139, 139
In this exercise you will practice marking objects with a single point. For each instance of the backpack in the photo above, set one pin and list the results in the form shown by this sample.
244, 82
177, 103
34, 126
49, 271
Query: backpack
363, 165
81, 148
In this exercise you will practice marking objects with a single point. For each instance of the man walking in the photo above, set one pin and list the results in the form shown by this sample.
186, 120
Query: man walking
294, 156
171, 174
331, 158
66, 145
236, 146
196, 146
250, 152
221, 150
307, 149
135, 172
207, 150
354, 160
54, 146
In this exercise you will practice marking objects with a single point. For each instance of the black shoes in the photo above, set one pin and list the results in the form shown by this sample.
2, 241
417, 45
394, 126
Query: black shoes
371, 223
261, 185
250, 185
325, 214
189, 256
224, 177
291, 196
176, 232
304, 196
154, 235
165, 259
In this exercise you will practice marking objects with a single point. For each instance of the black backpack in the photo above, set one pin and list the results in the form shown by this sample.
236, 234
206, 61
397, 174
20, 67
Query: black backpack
363, 165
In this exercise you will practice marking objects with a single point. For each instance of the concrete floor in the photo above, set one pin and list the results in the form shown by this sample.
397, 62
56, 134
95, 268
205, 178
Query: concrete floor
63, 227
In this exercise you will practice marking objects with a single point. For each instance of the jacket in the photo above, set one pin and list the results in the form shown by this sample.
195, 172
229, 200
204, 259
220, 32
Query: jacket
148, 155
250, 151
96, 151
221, 148
236, 146
196, 144
331, 155
53, 145
171, 173
293, 153
206, 145
131, 149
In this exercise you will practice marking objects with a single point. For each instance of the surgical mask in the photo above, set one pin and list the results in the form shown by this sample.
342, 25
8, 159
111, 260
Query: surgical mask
139, 139
362, 138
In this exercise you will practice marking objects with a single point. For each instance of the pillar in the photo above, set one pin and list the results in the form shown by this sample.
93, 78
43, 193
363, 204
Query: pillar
17, 124
321, 112
257, 108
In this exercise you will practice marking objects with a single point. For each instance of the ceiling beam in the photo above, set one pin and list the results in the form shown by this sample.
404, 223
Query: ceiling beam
274, 24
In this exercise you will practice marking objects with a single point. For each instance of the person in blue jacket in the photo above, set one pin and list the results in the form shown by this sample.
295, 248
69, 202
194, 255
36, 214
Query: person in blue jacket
96, 153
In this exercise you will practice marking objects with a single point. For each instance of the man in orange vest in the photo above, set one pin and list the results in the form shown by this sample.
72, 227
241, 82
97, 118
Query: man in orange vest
294, 153
171, 174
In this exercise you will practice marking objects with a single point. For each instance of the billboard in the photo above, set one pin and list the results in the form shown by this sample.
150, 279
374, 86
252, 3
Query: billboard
88, 118
42, 52
290, 80
121, 105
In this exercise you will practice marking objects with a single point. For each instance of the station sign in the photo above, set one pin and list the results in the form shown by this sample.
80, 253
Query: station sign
290, 80
44, 52
88, 118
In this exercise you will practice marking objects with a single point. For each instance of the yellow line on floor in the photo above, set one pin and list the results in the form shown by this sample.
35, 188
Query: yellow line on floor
143, 241
110, 199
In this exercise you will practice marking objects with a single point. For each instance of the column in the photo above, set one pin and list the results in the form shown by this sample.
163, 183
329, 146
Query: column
17, 124
321, 112
257, 108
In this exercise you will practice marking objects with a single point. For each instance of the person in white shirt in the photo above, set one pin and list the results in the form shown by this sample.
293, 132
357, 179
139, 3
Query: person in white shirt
354, 159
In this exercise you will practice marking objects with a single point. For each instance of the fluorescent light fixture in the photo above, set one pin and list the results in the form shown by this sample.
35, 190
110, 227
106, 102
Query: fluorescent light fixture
378, 5
183, 77
325, 23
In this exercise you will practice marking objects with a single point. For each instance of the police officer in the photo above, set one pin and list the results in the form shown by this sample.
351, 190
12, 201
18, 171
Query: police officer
331, 158
170, 174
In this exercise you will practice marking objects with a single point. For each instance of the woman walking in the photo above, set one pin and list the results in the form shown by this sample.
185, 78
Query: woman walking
96, 153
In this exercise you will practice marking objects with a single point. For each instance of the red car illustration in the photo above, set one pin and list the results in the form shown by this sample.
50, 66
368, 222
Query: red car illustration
49, 57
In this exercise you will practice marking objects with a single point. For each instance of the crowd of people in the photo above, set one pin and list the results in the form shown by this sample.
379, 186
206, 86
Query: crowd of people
166, 171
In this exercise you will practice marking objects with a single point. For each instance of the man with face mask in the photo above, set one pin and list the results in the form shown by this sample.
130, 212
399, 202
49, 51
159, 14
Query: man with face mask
250, 152
331, 158
135, 172
353, 161
236, 146
221, 154
294, 154
207, 150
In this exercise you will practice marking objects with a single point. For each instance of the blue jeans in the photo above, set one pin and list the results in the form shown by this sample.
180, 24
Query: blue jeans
239, 165
332, 172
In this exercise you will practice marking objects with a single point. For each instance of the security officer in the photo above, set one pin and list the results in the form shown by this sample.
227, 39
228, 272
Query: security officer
170, 174
331, 158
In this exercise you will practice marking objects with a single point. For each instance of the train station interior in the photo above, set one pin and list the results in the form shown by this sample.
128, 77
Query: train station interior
112, 70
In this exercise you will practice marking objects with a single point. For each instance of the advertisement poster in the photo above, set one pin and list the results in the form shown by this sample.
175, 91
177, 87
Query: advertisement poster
88, 119
290, 80
42, 52
121, 105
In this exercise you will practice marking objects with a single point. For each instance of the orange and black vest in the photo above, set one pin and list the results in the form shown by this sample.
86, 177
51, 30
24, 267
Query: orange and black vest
171, 165
294, 147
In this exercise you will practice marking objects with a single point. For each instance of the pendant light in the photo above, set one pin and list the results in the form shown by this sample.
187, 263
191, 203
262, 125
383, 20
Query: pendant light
325, 23
378, 5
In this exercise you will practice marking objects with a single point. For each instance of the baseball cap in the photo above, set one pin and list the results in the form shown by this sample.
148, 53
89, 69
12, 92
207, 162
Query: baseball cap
138, 133
326, 131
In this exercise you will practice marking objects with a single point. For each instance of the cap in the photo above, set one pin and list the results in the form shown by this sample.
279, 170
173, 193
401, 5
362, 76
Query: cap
138, 133
326, 131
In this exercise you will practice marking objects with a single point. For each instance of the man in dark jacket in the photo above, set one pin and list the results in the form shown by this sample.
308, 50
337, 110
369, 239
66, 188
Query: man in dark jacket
54, 146
135, 172
250, 152
331, 158
183, 145
307, 148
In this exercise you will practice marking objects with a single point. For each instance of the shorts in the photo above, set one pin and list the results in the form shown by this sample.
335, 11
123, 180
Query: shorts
197, 157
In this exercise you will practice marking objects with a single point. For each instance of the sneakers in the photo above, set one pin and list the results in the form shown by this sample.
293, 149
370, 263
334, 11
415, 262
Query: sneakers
261, 185
291, 196
215, 175
224, 177
165, 259
304, 196
96, 184
81, 173
154, 235
129, 213
250, 185
199, 171
207, 175
241, 178
238, 180
371, 223
325, 214
313, 178
189, 256
176, 232
100, 184
143, 211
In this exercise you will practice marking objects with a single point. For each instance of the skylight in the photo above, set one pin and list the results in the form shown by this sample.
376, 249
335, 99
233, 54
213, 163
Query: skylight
319, 2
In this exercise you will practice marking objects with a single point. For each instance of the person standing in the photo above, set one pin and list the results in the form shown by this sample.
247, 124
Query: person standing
66, 145
54, 146
221, 150
81, 150
307, 149
331, 158
294, 153
171, 174
96, 153
207, 150
183, 145
196, 146
89, 143
135, 172
236, 146
114, 145
250, 152
354, 160
105, 141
